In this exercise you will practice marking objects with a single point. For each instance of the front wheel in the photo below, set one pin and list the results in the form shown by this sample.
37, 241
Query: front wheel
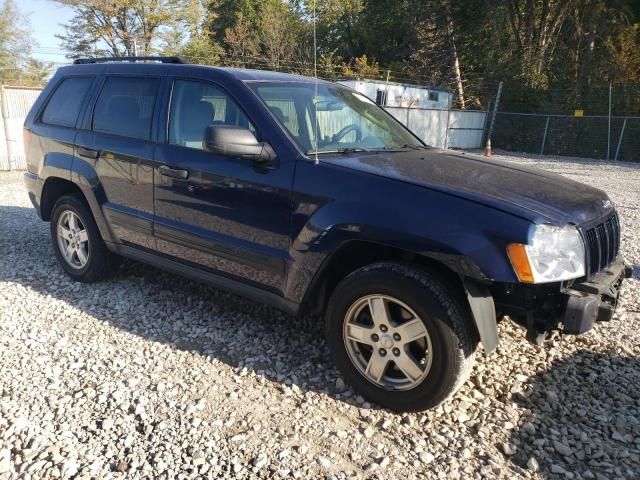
399, 336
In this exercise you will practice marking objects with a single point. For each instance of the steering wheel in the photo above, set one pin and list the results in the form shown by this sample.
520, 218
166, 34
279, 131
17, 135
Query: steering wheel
348, 129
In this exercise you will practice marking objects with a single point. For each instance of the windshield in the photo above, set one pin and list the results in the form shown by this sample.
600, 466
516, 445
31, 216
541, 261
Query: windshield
339, 120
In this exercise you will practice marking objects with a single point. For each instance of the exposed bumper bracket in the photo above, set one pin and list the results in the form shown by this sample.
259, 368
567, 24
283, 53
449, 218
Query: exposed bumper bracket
484, 314
594, 300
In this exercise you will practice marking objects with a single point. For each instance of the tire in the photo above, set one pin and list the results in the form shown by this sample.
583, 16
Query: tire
99, 260
443, 327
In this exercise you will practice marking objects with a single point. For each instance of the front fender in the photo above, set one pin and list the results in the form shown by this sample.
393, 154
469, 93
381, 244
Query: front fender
313, 249
468, 237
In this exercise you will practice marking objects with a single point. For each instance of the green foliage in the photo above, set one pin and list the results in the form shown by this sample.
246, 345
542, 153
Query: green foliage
551, 54
17, 67
198, 49
123, 27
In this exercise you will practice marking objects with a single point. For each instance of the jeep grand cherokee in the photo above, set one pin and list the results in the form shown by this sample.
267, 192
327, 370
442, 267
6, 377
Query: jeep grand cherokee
307, 196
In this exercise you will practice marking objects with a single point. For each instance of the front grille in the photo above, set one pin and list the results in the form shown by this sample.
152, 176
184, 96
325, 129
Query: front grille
603, 243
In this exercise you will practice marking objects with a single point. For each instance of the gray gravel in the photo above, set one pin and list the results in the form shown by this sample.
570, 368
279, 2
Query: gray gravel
152, 376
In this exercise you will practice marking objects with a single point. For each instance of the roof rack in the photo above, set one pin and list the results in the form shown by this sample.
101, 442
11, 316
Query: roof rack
79, 61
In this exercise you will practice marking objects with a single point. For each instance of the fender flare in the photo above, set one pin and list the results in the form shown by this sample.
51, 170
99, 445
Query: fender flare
85, 177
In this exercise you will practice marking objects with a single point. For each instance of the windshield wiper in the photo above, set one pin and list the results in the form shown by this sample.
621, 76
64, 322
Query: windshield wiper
407, 146
341, 150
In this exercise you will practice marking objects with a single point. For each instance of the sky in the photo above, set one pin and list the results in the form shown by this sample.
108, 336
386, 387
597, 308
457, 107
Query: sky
46, 17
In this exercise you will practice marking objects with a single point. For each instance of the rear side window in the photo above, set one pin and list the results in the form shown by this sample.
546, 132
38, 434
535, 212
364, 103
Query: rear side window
64, 107
125, 107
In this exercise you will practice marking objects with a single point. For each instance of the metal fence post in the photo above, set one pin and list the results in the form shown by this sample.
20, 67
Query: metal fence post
624, 124
495, 111
5, 123
609, 126
446, 132
544, 136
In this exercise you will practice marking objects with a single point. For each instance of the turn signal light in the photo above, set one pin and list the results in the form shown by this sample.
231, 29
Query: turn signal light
520, 261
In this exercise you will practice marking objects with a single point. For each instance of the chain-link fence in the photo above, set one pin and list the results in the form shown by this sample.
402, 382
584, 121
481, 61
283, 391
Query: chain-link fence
582, 136
603, 125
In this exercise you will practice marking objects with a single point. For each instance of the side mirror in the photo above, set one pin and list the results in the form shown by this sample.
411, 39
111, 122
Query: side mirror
235, 141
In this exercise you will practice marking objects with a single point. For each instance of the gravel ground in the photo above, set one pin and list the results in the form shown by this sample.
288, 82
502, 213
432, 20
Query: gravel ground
152, 376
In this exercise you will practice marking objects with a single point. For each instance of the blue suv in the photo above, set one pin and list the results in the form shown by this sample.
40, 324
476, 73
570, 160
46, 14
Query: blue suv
305, 195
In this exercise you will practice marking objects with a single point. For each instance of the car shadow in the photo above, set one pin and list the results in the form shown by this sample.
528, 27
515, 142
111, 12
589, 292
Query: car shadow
167, 308
583, 418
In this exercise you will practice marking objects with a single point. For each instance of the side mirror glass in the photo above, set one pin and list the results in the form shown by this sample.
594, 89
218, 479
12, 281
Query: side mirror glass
238, 142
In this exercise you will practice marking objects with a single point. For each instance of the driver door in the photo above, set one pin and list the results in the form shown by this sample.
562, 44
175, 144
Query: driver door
219, 213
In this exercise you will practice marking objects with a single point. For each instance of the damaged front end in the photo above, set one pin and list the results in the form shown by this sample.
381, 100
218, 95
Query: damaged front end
567, 307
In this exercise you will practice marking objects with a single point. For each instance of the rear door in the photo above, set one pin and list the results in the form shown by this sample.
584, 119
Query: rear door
228, 215
118, 146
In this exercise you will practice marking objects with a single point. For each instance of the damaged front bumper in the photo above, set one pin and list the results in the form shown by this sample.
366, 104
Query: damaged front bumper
595, 299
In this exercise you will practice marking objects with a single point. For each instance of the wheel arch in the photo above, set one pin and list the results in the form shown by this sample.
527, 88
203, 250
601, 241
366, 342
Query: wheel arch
472, 295
56, 187
53, 189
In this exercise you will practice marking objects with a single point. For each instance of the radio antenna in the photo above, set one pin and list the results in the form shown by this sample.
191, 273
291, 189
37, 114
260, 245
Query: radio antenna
315, 74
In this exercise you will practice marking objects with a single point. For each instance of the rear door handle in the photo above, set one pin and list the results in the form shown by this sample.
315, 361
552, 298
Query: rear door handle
174, 172
88, 152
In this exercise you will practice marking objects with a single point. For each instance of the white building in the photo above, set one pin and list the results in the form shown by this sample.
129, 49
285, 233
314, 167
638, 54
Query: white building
391, 94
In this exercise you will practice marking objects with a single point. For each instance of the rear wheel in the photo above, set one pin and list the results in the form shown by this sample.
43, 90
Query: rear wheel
399, 336
77, 243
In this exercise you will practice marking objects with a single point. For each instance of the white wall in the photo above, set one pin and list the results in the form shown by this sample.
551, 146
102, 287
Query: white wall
466, 129
443, 128
15, 104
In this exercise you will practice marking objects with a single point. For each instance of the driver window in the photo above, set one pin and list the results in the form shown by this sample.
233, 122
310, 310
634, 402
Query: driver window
194, 106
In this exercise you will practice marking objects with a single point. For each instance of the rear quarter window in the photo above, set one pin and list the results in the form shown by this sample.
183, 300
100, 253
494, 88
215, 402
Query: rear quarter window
125, 107
64, 106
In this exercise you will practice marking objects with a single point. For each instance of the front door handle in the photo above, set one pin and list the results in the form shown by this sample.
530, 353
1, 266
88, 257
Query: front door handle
173, 172
88, 152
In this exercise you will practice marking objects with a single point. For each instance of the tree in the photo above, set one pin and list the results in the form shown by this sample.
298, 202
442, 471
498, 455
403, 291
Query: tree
536, 28
226, 14
337, 25
550, 53
189, 36
119, 27
278, 31
243, 44
16, 63
436, 56
34, 73
361, 67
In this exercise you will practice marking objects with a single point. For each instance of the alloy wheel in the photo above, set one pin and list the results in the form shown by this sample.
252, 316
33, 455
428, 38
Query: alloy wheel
387, 342
73, 239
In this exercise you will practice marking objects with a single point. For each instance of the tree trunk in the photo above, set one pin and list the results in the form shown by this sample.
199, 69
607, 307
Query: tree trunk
454, 54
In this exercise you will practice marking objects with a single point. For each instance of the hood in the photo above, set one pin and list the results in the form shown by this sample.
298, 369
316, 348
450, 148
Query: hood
533, 194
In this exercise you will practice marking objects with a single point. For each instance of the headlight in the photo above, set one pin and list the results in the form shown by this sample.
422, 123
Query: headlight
553, 254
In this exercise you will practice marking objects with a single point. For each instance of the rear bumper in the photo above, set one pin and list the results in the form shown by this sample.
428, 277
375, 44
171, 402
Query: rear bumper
594, 300
34, 184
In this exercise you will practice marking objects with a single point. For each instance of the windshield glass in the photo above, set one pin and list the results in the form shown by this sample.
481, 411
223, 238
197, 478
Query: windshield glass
346, 120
